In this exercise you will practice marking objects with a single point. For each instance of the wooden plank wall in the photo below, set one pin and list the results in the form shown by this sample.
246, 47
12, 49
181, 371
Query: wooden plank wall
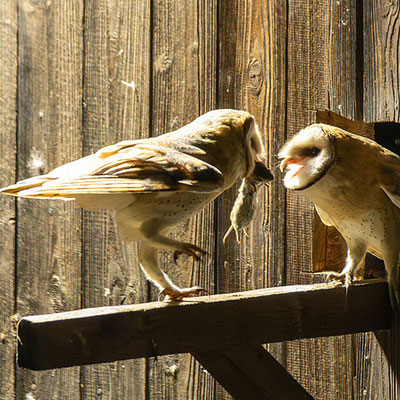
8, 147
115, 90
76, 75
48, 133
380, 102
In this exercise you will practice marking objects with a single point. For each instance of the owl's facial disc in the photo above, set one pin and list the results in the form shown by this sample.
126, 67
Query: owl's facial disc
306, 158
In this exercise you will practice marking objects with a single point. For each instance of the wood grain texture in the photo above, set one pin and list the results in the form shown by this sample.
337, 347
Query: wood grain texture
379, 377
251, 76
249, 71
149, 66
274, 119
358, 127
233, 43
8, 147
341, 85
230, 94
381, 61
272, 36
116, 99
321, 44
184, 87
49, 134
306, 82
151, 329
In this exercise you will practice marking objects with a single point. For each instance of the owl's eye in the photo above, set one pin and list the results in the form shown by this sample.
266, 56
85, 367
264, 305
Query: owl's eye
314, 151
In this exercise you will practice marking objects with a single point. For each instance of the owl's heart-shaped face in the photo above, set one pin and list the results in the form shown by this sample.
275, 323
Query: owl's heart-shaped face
307, 157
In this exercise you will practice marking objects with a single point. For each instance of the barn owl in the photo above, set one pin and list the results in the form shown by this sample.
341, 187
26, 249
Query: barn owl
355, 186
150, 185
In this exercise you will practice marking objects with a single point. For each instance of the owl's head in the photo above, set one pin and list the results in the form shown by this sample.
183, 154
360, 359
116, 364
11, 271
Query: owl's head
307, 157
254, 145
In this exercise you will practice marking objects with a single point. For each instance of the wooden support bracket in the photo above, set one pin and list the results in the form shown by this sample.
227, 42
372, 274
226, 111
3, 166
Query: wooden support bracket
250, 372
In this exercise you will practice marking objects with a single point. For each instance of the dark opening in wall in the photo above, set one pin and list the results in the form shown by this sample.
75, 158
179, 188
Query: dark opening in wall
387, 134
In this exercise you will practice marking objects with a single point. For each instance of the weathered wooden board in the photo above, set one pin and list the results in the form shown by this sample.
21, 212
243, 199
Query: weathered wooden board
116, 99
249, 71
49, 134
381, 61
306, 83
378, 376
321, 75
8, 148
91, 73
242, 83
251, 76
183, 87
236, 319
344, 82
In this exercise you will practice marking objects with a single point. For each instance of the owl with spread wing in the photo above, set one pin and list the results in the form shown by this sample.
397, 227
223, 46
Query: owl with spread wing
355, 186
150, 185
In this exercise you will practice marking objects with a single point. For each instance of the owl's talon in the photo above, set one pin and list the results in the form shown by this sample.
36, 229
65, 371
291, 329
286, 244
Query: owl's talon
179, 294
162, 293
191, 250
338, 278
348, 281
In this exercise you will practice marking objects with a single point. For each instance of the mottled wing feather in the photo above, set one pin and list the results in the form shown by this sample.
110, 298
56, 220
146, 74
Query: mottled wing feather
393, 191
98, 185
26, 184
127, 167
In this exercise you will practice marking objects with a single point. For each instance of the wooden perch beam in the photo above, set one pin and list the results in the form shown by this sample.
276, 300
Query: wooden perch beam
202, 324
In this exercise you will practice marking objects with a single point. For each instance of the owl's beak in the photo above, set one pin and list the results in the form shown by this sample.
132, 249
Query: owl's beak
291, 160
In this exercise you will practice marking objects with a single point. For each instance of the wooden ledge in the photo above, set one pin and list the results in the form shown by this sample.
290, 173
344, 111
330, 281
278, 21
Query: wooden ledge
201, 324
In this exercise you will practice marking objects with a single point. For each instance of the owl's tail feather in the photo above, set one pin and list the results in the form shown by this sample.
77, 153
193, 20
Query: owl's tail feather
19, 188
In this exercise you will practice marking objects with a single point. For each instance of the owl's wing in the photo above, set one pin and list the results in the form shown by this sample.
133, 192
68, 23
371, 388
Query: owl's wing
140, 166
389, 178
324, 216
393, 191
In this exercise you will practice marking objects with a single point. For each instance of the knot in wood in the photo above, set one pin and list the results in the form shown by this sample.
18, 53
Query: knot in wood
164, 63
255, 76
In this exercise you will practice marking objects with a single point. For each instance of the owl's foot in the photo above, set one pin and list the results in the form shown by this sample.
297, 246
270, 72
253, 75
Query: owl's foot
338, 278
191, 250
177, 294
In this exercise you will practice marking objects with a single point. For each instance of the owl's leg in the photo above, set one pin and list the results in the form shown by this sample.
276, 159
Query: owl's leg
150, 234
148, 258
164, 242
355, 257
